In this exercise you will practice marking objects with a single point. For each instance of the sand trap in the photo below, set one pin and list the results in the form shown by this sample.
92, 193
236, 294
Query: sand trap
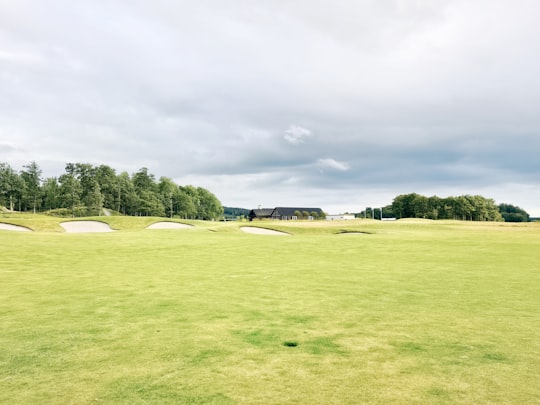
168, 225
86, 226
16, 228
261, 231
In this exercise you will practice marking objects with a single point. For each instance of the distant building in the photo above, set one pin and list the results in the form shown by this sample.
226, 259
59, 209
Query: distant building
286, 213
340, 217
260, 213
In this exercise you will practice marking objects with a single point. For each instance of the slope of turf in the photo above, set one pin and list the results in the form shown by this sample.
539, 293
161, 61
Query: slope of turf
406, 312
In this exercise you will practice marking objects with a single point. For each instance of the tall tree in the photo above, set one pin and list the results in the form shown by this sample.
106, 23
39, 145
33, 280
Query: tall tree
142, 180
186, 205
51, 193
94, 200
108, 184
410, 206
70, 192
32, 179
147, 190
85, 189
193, 202
128, 200
209, 205
85, 173
434, 207
150, 204
464, 208
168, 191
11, 186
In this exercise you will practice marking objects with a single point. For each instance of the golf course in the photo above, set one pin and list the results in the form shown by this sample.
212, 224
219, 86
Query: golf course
323, 312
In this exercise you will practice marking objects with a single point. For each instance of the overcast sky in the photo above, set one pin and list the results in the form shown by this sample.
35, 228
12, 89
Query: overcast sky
335, 104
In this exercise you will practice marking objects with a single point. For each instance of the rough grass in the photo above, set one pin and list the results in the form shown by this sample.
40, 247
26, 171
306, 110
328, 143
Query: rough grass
413, 312
45, 223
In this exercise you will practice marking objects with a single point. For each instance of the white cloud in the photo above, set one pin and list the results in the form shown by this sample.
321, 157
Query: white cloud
296, 134
330, 163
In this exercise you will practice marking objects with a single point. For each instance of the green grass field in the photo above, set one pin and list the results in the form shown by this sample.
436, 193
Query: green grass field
403, 312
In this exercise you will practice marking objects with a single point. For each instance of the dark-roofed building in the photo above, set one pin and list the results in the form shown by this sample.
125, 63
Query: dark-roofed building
260, 213
291, 213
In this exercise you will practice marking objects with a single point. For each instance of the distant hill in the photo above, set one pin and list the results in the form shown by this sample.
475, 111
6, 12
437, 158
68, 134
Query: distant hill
233, 212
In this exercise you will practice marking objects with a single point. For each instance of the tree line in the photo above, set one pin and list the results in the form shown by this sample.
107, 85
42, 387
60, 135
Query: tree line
464, 207
234, 213
84, 190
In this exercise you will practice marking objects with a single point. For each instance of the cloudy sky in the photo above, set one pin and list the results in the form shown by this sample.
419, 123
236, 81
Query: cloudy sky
335, 104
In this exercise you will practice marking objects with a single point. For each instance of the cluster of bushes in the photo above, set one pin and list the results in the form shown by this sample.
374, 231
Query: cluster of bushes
85, 190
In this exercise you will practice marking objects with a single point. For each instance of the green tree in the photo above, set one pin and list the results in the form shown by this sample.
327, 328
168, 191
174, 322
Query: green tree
411, 206
194, 200
11, 186
143, 180
150, 204
388, 212
84, 189
186, 203
447, 208
85, 174
493, 211
434, 204
109, 186
168, 192
51, 193
147, 191
128, 200
209, 206
70, 192
32, 180
512, 213
94, 200
463, 208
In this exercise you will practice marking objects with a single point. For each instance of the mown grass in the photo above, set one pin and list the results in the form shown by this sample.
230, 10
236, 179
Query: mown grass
406, 312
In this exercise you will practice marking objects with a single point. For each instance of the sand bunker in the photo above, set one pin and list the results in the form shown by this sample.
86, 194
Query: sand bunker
168, 225
16, 228
261, 231
86, 226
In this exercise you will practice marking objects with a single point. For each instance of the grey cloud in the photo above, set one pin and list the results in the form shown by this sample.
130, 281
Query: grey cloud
278, 98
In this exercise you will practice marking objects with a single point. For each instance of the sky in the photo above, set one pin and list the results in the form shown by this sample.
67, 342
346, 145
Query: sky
335, 104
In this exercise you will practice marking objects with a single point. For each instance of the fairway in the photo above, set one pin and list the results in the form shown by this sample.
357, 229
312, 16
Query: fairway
334, 313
